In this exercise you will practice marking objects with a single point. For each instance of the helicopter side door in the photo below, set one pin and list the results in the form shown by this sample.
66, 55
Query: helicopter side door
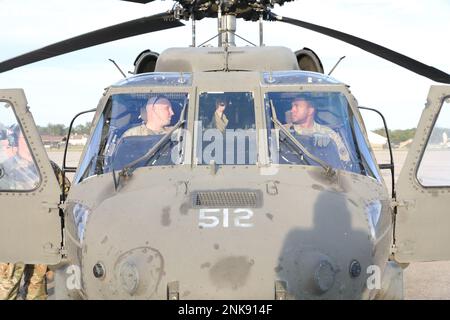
30, 224
422, 224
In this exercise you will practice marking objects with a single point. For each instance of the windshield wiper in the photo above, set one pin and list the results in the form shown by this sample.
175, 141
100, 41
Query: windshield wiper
294, 149
129, 168
329, 171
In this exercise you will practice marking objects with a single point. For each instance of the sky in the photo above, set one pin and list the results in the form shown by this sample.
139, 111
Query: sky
60, 87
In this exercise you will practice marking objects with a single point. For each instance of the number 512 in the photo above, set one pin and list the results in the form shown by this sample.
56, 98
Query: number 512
210, 218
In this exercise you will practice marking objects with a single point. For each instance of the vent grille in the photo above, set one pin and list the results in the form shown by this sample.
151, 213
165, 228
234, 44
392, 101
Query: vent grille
227, 199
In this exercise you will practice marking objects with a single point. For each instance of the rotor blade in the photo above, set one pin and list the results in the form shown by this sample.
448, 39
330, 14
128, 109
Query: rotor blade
385, 53
139, 1
123, 30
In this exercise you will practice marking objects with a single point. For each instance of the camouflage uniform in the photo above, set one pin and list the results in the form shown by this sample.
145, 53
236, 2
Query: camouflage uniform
219, 122
142, 130
35, 282
34, 275
326, 131
59, 175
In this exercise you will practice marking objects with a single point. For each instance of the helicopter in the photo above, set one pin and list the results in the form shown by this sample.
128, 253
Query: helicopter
255, 212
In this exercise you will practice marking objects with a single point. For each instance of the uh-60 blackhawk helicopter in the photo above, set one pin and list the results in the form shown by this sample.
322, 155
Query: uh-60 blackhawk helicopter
225, 173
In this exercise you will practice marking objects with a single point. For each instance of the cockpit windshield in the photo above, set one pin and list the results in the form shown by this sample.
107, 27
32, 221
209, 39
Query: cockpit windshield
323, 123
315, 128
226, 129
130, 126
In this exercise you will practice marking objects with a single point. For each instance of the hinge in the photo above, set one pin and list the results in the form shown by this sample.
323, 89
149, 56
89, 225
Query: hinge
393, 204
63, 251
63, 206
51, 248
393, 249
403, 203
50, 205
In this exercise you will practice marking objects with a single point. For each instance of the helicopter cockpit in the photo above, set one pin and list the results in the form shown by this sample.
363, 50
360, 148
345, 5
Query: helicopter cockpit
224, 125
226, 128
113, 147
239, 174
333, 134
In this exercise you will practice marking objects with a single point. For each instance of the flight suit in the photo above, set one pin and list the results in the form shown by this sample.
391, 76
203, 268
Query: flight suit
34, 275
142, 130
35, 282
327, 133
219, 122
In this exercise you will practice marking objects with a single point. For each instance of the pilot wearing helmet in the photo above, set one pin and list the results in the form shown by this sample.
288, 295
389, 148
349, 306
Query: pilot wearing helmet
220, 120
156, 117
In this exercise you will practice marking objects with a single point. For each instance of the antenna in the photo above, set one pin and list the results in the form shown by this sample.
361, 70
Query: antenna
261, 42
336, 65
118, 68
193, 32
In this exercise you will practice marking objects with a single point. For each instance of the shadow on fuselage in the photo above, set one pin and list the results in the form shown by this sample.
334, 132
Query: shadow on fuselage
314, 262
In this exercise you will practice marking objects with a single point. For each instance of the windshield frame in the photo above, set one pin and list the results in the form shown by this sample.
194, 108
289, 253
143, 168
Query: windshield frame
193, 91
323, 88
111, 91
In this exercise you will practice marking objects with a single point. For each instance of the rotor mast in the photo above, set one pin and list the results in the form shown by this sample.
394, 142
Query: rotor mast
227, 30
226, 25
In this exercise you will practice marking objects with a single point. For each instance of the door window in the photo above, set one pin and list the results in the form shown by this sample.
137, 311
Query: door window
434, 168
18, 171
131, 126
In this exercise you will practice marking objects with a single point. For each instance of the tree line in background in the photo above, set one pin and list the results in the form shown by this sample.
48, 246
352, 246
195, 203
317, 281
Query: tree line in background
398, 136
61, 130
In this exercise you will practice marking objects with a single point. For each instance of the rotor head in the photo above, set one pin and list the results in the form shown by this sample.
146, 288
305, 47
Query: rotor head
250, 10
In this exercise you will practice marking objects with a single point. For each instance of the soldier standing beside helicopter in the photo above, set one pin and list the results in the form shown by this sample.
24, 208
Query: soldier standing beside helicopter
302, 117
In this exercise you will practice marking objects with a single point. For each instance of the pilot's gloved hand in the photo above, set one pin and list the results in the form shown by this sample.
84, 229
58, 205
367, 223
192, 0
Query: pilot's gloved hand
321, 139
